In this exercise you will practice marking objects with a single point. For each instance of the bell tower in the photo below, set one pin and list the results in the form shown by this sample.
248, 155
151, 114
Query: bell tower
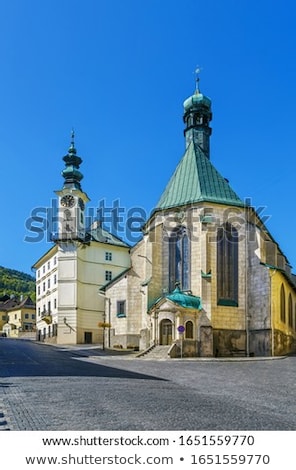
197, 116
72, 200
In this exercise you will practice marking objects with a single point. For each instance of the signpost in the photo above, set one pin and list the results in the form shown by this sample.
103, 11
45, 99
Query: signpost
181, 329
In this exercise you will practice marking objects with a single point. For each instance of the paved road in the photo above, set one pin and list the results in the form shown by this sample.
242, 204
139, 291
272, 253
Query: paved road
46, 388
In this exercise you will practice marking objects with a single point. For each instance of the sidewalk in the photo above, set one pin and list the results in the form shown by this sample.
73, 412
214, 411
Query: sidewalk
130, 354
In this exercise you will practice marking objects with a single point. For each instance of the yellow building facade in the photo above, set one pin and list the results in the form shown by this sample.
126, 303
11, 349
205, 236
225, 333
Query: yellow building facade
17, 316
283, 312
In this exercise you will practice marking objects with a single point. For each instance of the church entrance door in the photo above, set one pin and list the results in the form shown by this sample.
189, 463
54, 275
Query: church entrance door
166, 332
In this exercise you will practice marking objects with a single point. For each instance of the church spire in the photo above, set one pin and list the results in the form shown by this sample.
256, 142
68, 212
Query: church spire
197, 116
71, 173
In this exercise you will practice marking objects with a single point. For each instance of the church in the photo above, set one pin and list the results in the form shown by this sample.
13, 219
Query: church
206, 279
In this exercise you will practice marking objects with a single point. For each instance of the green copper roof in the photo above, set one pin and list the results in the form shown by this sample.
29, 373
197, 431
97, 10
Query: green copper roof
71, 173
180, 298
195, 180
197, 99
184, 300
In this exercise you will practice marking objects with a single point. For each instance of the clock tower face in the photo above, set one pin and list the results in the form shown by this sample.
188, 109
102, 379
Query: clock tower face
68, 200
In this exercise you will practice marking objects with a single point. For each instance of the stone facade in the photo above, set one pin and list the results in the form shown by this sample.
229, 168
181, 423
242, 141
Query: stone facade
219, 330
238, 286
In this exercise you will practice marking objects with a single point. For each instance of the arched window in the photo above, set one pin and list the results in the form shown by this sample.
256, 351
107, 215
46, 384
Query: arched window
283, 304
227, 265
290, 311
179, 259
189, 330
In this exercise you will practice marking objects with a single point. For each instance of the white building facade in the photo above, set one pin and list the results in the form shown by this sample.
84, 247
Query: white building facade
69, 309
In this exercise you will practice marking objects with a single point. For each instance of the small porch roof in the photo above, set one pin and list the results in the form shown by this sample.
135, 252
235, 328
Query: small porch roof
180, 298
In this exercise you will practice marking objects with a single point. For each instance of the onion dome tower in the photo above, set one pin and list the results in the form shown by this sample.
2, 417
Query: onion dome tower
197, 116
195, 178
71, 173
72, 199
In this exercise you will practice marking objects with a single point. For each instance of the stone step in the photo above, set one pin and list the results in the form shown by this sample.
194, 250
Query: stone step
158, 352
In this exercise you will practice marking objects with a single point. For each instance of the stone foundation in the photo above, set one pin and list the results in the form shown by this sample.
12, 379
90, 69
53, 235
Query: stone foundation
125, 341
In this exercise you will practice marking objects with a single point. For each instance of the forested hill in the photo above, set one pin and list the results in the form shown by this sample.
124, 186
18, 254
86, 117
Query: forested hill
16, 283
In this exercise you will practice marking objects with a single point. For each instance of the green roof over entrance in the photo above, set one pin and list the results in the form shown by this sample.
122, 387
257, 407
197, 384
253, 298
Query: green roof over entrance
195, 180
180, 298
184, 300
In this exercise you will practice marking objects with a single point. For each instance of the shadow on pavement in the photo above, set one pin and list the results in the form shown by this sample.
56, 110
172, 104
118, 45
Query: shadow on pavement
28, 359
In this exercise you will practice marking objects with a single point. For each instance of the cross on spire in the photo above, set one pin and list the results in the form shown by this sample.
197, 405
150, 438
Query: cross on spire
196, 73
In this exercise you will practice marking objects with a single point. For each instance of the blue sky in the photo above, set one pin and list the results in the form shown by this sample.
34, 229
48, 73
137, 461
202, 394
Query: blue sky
118, 71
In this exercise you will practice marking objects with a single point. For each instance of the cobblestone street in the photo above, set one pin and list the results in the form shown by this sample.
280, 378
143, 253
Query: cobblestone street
124, 393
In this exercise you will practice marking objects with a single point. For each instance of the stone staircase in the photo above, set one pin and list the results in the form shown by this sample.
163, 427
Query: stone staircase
157, 352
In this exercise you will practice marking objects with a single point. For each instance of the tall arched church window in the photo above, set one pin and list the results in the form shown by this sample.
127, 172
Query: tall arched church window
227, 265
290, 311
179, 259
283, 304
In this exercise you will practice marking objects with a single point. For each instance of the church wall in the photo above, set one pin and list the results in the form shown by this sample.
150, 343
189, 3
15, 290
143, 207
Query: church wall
254, 309
198, 248
229, 323
228, 317
284, 334
116, 293
229, 342
138, 282
156, 284
258, 294
126, 331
